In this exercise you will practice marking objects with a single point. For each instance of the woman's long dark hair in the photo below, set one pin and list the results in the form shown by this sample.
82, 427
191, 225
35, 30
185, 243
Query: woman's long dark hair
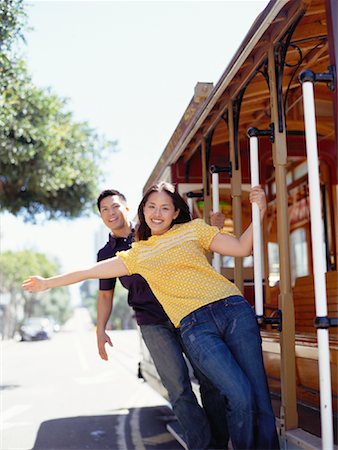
143, 232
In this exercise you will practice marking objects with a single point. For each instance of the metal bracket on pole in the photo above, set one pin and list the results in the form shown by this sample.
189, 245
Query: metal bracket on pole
191, 195
255, 132
218, 169
330, 77
324, 322
221, 169
275, 320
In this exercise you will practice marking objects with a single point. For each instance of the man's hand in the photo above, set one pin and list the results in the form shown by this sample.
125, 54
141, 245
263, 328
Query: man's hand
102, 340
217, 219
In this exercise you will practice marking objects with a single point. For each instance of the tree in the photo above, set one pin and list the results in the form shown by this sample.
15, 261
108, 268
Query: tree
12, 20
122, 315
14, 268
88, 293
49, 162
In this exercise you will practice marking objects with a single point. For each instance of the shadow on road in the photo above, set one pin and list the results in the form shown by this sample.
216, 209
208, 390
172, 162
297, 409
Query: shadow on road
133, 429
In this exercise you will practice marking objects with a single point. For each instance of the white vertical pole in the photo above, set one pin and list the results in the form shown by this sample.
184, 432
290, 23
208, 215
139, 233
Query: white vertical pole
216, 261
191, 205
318, 265
257, 233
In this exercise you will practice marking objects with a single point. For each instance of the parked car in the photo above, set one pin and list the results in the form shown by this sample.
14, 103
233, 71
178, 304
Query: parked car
36, 328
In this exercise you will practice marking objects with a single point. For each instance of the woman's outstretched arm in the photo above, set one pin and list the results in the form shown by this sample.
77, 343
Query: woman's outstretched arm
109, 268
242, 246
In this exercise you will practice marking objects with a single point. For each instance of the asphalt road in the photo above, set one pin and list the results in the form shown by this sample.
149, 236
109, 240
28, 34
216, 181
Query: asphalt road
58, 394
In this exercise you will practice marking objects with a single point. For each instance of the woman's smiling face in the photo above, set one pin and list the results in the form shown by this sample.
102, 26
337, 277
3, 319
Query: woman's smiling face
159, 212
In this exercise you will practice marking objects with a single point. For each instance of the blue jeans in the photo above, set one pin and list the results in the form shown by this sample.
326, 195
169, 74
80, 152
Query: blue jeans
214, 404
164, 344
224, 341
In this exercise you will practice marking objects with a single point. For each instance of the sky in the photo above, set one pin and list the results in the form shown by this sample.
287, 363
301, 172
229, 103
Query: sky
129, 69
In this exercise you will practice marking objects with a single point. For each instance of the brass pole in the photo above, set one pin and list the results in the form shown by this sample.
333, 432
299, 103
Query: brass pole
288, 413
206, 183
236, 193
206, 188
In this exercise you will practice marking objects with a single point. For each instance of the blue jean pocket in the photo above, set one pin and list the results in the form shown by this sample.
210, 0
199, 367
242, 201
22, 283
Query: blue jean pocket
237, 301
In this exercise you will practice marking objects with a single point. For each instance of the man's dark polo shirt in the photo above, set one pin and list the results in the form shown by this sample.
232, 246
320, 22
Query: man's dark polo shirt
147, 309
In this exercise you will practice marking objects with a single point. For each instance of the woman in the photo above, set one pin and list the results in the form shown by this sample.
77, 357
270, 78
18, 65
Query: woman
217, 324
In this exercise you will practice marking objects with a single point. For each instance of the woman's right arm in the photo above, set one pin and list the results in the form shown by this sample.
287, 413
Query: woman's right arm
230, 245
109, 268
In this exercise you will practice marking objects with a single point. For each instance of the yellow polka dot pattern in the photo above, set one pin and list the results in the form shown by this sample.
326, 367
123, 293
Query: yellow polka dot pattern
177, 270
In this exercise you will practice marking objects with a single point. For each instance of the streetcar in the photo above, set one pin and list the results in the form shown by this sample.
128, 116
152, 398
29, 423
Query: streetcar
272, 117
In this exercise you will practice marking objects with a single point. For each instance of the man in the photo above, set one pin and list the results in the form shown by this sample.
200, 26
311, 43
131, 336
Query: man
161, 338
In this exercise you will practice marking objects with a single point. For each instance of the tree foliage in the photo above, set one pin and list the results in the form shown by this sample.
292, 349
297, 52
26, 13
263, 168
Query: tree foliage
49, 162
17, 266
12, 22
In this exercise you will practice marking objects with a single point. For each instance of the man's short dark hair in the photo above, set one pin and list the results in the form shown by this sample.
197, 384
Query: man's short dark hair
109, 193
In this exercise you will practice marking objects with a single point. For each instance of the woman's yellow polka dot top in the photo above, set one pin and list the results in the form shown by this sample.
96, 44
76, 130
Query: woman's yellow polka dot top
177, 270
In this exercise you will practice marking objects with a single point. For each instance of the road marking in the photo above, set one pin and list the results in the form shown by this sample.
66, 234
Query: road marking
121, 433
9, 414
136, 435
14, 411
80, 352
7, 426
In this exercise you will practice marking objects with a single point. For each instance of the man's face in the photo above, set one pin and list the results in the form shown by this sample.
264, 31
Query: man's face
114, 212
